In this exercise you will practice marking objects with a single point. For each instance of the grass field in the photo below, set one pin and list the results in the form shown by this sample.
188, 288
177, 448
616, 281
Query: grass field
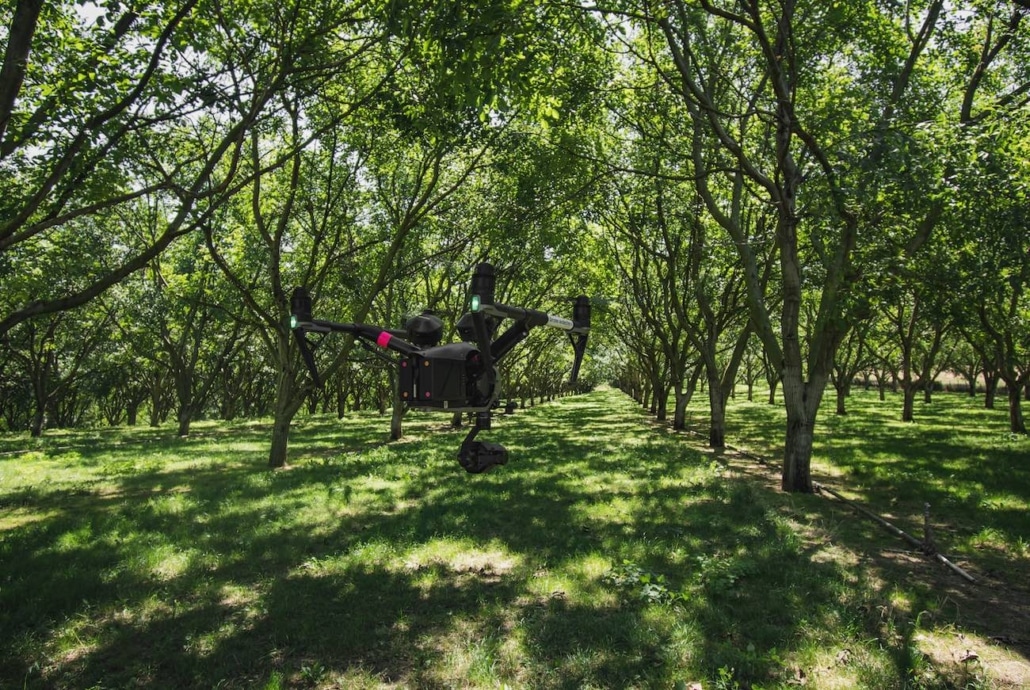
609, 552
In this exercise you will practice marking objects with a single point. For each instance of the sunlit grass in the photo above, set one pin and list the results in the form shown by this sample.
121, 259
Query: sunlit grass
607, 553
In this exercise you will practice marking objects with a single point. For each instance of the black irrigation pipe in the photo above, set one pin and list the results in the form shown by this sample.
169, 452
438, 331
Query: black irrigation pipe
926, 545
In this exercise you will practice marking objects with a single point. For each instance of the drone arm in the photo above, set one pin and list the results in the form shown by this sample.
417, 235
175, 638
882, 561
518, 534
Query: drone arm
383, 337
482, 332
530, 317
373, 334
508, 340
526, 319
301, 323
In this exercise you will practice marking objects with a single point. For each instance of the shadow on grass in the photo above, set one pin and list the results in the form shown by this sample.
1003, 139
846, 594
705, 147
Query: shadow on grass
602, 554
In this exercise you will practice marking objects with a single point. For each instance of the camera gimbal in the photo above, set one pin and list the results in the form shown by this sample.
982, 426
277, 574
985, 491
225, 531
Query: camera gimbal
456, 377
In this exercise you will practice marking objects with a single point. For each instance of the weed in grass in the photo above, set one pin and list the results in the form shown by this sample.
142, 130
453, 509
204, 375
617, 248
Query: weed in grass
633, 581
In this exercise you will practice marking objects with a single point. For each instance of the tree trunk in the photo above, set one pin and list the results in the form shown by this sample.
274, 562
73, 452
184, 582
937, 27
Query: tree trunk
842, 395
397, 411
158, 401
396, 427
797, 455
717, 410
280, 439
683, 398
990, 389
228, 408
772, 391
679, 414
340, 393
908, 406
38, 421
1016, 423
184, 397
39, 394
39, 386
287, 403
928, 392
801, 400
662, 405
183, 417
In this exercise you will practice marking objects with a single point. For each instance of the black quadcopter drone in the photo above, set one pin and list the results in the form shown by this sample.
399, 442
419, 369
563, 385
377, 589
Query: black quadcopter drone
456, 377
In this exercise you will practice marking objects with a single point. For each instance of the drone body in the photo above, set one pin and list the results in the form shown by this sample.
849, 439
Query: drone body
455, 377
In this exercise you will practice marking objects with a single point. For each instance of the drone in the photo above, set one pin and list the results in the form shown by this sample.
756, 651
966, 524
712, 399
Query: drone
455, 377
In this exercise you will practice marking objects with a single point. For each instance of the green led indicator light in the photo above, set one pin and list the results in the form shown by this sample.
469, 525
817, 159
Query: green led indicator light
293, 321
475, 303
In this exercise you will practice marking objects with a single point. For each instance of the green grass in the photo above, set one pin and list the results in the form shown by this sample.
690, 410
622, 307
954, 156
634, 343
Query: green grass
607, 553
956, 456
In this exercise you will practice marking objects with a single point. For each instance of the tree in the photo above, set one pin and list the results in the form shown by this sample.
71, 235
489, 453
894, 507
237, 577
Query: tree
772, 73
966, 361
915, 308
851, 358
174, 318
776, 86
96, 114
53, 358
648, 281
993, 264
